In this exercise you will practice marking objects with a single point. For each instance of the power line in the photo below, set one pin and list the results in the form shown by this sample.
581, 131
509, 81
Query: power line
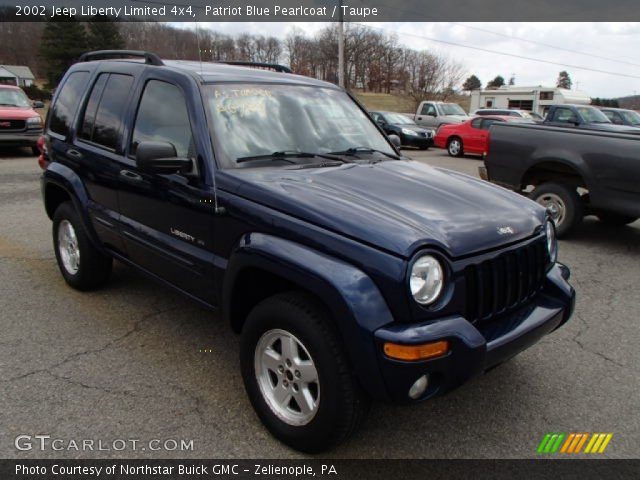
495, 52
548, 45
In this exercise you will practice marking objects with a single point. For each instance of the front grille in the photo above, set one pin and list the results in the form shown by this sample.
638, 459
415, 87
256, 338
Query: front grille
12, 125
505, 282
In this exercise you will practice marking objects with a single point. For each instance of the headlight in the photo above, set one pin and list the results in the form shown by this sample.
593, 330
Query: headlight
552, 243
427, 278
406, 131
34, 121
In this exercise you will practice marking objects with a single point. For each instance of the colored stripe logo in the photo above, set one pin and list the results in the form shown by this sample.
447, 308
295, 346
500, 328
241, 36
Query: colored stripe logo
572, 443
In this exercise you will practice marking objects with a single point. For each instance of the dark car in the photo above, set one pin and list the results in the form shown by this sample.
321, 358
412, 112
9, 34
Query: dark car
410, 134
584, 117
622, 116
20, 124
350, 273
557, 162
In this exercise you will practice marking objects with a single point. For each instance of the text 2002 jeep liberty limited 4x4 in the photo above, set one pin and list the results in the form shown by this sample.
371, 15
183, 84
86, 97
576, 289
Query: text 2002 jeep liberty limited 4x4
349, 272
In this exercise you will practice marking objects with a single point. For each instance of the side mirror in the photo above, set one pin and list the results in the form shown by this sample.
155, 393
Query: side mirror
38, 104
395, 140
381, 122
432, 114
160, 157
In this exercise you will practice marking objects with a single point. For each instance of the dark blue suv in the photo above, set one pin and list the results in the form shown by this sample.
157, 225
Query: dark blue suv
350, 272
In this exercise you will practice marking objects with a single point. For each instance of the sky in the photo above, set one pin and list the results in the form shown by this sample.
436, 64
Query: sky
608, 47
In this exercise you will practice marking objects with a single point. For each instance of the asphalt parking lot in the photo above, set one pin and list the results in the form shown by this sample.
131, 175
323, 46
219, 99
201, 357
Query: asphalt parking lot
128, 361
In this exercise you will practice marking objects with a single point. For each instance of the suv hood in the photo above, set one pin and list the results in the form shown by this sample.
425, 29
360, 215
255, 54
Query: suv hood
398, 206
16, 113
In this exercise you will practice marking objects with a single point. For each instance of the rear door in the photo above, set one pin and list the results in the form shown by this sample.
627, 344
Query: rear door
98, 149
166, 218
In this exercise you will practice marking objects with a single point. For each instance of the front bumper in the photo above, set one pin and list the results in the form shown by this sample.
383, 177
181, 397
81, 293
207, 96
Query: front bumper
474, 348
416, 141
26, 138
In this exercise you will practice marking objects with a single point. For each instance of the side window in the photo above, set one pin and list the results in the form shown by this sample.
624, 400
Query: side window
376, 117
107, 126
428, 109
475, 123
564, 115
617, 119
163, 116
67, 102
487, 122
88, 122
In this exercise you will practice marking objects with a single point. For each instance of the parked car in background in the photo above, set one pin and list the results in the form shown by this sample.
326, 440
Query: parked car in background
410, 134
470, 137
349, 272
556, 162
524, 114
20, 124
433, 114
583, 117
622, 116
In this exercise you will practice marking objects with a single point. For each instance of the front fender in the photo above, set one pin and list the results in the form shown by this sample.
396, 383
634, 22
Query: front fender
356, 304
66, 179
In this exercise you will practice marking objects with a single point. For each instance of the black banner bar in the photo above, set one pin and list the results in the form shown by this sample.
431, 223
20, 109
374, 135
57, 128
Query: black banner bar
324, 10
582, 469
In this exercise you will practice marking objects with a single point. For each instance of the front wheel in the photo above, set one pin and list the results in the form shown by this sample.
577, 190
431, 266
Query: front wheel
563, 204
81, 264
296, 374
454, 147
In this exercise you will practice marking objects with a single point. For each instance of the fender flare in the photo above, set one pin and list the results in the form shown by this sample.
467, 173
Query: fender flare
65, 178
355, 302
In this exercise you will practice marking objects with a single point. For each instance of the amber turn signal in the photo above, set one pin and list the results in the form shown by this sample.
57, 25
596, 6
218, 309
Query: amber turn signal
412, 353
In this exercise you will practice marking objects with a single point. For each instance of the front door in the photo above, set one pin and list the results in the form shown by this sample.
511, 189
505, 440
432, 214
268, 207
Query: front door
166, 218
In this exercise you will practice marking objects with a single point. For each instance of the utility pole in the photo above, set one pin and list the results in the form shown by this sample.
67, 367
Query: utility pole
340, 46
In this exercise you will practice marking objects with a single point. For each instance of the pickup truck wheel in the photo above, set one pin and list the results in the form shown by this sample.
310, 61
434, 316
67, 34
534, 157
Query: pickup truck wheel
615, 219
454, 147
296, 374
81, 264
563, 204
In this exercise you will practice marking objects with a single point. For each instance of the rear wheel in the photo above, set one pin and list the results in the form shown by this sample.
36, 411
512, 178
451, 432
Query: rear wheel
563, 204
454, 147
81, 264
296, 373
615, 219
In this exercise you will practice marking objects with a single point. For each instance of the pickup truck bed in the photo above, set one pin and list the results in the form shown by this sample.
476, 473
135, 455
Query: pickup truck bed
573, 172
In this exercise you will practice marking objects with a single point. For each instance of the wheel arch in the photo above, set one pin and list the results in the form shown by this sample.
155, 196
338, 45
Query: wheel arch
554, 169
353, 301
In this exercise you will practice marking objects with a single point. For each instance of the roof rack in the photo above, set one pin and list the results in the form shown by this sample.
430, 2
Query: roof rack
272, 66
149, 58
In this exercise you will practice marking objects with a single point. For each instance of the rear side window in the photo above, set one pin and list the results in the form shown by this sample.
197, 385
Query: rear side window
163, 116
65, 107
487, 122
102, 122
475, 123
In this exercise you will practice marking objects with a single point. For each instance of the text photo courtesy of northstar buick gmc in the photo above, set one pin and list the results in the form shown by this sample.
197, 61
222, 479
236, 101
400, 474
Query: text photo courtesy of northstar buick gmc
350, 273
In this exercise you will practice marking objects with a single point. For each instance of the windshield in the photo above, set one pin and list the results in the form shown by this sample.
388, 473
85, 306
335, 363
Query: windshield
631, 117
451, 109
592, 115
398, 119
13, 97
251, 120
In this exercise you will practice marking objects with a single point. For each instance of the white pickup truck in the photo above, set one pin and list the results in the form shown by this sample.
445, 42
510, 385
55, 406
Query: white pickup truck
433, 114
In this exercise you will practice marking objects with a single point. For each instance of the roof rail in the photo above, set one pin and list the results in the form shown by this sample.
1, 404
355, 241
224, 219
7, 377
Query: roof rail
149, 58
272, 66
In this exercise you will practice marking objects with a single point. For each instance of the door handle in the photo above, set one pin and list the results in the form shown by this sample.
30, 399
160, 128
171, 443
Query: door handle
130, 175
74, 154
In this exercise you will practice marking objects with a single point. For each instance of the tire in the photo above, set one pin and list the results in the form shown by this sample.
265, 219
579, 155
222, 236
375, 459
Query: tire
563, 203
615, 219
337, 405
455, 147
81, 264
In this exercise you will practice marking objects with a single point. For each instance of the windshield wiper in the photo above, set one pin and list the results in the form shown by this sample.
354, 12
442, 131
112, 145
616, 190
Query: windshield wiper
287, 155
356, 150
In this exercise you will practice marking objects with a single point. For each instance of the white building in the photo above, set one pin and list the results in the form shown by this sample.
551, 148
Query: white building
16, 75
534, 99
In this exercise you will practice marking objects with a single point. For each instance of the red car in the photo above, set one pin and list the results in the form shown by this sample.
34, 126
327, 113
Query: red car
471, 136
20, 124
